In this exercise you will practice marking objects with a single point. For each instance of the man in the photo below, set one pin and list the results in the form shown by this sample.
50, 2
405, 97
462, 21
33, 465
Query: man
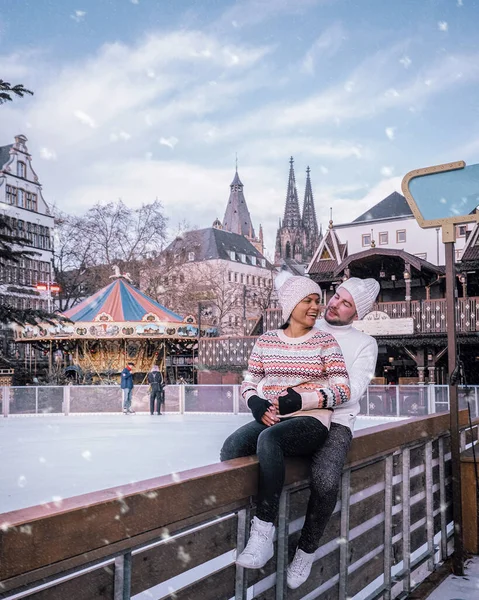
127, 387
155, 379
353, 300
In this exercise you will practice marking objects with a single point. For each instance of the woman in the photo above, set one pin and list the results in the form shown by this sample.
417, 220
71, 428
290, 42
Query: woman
296, 375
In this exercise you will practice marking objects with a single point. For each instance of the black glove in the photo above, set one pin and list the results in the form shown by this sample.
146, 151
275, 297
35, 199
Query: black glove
290, 403
258, 407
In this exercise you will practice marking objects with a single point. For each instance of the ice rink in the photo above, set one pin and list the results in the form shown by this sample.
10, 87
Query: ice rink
46, 458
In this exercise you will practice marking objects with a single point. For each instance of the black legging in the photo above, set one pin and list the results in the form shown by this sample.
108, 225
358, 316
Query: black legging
159, 396
326, 470
295, 436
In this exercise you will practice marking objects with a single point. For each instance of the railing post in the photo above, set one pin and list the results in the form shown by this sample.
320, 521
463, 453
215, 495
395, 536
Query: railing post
398, 407
429, 504
442, 498
367, 400
236, 399
182, 399
241, 581
406, 518
66, 400
388, 526
431, 399
282, 545
6, 400
475, 401
36, 399
344, 535
122, 577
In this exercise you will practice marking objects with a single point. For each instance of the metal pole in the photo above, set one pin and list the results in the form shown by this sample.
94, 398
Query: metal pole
458, 556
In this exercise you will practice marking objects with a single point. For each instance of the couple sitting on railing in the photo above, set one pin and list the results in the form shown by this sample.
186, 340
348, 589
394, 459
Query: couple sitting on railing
303, 386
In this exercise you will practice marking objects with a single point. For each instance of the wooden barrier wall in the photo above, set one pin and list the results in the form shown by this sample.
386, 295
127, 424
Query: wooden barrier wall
180, 532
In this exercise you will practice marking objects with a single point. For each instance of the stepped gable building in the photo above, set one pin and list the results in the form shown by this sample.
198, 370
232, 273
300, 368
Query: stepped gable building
298, 235
28, 216
237, 218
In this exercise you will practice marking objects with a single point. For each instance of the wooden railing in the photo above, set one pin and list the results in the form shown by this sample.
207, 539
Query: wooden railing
179, 533
429, 317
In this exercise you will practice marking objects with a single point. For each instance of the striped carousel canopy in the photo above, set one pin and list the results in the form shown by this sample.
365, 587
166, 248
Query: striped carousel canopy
120, 301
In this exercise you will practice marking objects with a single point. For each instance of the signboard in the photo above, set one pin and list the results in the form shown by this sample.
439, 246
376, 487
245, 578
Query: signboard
380, 323
444, 194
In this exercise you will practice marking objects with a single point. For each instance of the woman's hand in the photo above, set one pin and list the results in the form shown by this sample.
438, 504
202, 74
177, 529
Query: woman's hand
270, 417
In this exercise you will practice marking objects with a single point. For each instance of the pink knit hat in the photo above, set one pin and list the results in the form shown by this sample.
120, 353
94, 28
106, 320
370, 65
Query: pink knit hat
292, 289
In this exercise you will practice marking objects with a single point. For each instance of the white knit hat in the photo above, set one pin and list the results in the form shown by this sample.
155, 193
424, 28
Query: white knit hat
363, 292
292, 289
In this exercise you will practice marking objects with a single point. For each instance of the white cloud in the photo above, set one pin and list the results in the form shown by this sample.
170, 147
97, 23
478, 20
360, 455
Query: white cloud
135, 1
387, 171
323, 170
325, 46
78, 15
442, 26
390, 132
405, 61
460, 3
47, 154
84, 118
170, 142
253, 12
120, 136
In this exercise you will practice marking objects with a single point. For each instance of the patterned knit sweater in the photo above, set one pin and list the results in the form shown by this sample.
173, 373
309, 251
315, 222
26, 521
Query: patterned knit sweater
312, 364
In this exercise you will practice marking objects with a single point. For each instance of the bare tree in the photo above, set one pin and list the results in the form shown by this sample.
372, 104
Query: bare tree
87, 246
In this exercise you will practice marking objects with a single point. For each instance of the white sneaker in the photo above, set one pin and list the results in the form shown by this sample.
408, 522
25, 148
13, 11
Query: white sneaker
259, 548
299, 569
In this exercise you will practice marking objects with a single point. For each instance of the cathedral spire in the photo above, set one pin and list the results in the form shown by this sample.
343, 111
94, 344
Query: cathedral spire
310, 222
292, 216
237, 218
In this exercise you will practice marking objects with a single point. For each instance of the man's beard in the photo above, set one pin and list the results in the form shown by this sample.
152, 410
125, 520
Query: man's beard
334, 319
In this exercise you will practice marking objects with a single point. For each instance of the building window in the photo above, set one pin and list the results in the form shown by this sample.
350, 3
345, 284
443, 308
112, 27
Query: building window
263, 262
458, 254
236, 277
366, 240
11, 195
21, 198
400, 236
191, 256
21, 169
230, 276
253, 260
242, 277
383, 238
461, 230
243, 258
232, 255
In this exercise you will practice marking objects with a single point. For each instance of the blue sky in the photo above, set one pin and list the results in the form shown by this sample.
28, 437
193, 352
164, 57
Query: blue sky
141, 99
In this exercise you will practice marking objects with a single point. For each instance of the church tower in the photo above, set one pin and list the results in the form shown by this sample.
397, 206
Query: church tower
237, 218
297, 237
310, 222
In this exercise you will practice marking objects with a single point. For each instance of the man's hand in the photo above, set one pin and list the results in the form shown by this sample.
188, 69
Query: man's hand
289, 403
259, 407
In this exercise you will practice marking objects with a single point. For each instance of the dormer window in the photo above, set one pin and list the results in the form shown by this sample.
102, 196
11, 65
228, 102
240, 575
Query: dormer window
243, 258
263, 262
232, 255
191, 256
21, 169
253, 260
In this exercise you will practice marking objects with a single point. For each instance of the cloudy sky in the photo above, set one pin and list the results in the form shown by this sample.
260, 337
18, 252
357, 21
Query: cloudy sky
138, 99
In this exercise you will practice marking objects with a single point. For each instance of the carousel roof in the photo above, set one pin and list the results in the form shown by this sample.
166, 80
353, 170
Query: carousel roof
121, 301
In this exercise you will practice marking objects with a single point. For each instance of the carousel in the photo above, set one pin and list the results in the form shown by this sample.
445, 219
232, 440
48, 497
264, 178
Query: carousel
117, 325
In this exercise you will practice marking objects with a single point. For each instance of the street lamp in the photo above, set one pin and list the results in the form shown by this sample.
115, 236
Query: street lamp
50, 288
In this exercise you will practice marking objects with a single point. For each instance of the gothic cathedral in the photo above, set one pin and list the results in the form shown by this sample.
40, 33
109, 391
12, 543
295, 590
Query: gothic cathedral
298, 236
